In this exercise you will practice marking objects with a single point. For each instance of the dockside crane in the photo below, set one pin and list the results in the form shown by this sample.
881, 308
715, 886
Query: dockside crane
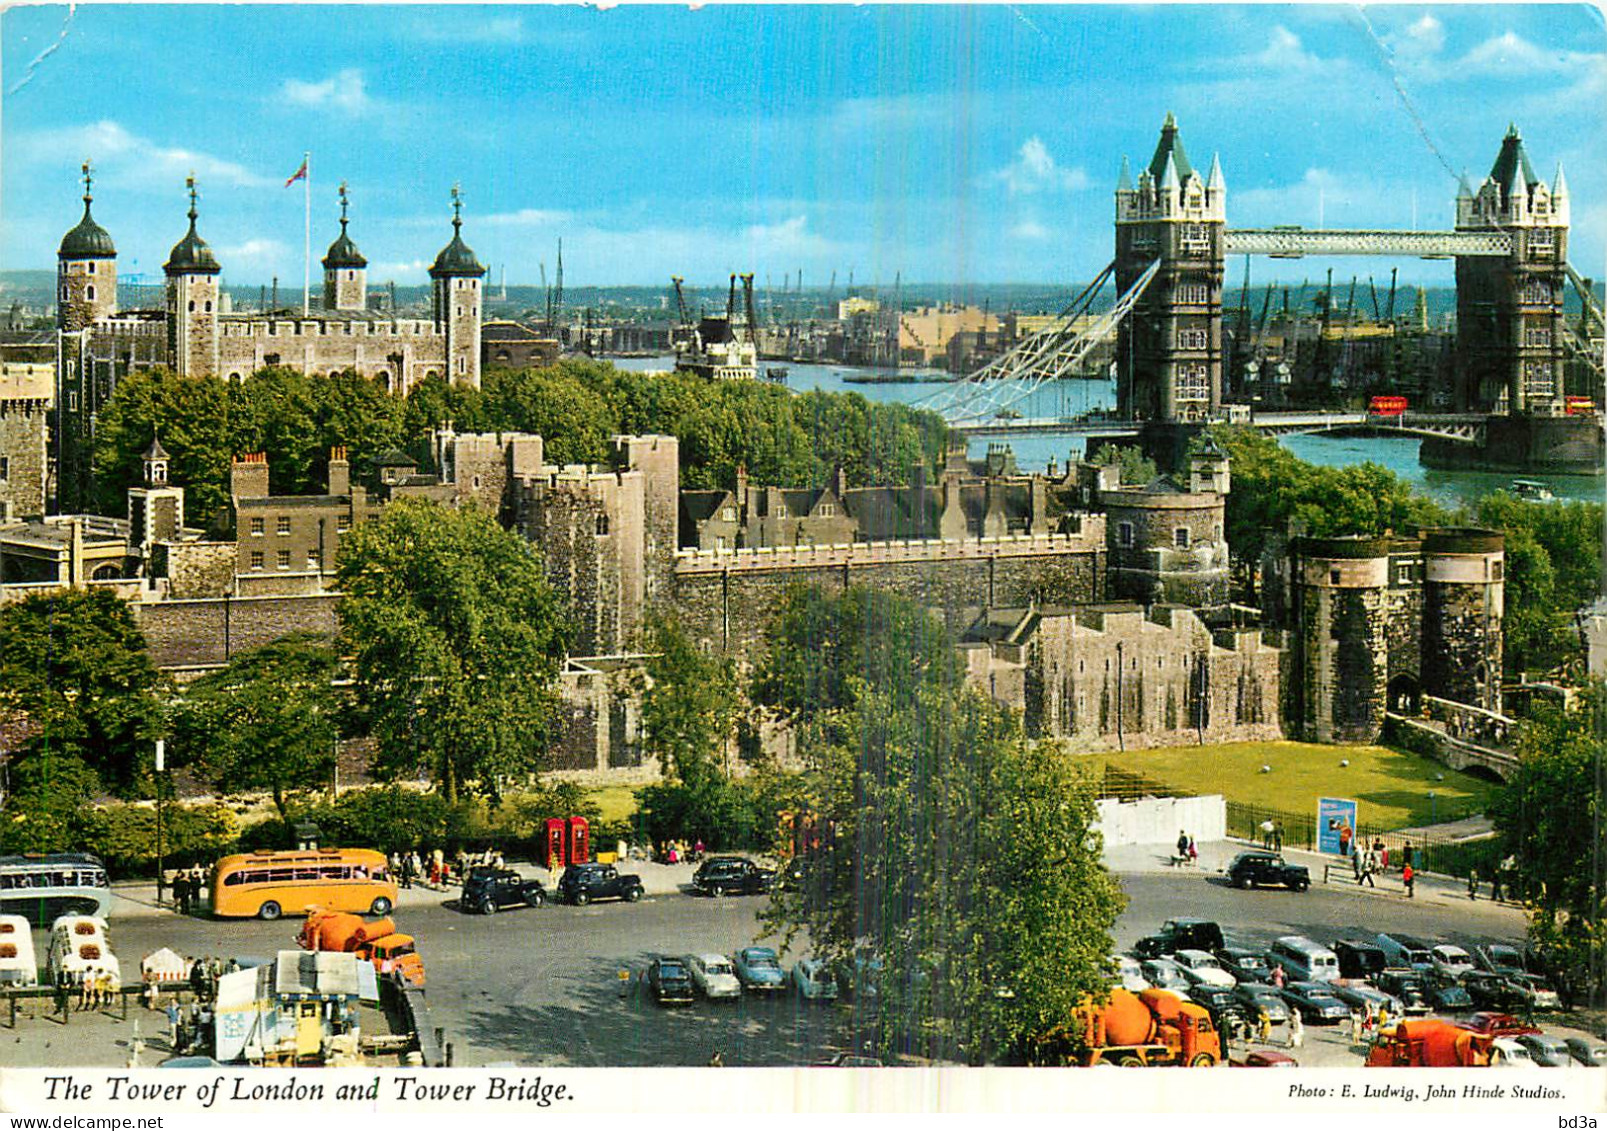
747, 301
1389, 310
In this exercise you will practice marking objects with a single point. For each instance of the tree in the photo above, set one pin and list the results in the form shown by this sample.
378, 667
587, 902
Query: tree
455, 639
74, 663
954, 851
1137, 468
192, 418
690, 707
267, 721
1549, 816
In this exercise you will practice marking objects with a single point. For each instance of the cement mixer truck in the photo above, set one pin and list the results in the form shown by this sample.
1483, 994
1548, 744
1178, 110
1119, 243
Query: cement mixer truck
1150, 1028
1428, 1042
392, 954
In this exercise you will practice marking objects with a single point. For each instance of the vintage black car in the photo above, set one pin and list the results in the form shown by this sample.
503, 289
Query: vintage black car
582, 883
1408, 986
731, 875
488, 890
1266, 869
1228, 1012
1244, 964
670, 981
1493, 991
1180, 934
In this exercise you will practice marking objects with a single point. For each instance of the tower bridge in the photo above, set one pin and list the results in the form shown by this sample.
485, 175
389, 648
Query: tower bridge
1510, 246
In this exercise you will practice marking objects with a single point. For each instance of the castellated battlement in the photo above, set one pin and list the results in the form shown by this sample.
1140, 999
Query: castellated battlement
1089, 538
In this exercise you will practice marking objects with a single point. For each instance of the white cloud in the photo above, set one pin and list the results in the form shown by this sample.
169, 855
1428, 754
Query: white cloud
344, 91
1030, 230
1285, 52
254, 251
523, 218
125, 158
1034, 170
1427, 35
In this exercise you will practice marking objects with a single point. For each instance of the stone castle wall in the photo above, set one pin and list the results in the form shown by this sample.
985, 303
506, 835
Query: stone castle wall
207, 632
194, 569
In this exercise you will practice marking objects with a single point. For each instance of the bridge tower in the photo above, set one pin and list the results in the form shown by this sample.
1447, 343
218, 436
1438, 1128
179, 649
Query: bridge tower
1509, 311
1169, 349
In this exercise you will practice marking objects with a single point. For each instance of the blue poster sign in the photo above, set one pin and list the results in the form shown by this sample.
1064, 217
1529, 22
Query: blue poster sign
1336, 824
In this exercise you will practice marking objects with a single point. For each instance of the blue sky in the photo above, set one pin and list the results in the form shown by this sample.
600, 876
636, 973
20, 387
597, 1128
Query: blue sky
952, 144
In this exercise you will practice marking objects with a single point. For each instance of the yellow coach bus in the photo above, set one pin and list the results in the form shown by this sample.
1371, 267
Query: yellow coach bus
268, 884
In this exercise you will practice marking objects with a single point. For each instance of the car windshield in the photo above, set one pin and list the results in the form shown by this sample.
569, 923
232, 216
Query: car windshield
717, 967
671, 970
1250, 962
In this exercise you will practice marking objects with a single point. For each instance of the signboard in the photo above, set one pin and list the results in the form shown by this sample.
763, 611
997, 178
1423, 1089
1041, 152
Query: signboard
1336, 824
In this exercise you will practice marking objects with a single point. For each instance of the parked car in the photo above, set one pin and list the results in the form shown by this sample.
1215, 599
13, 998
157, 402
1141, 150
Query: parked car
1266, 1058
1126, 973
1262, 998
1316, 1002
1535, 991
1360, 995
1498, 1024
758, 969
713, 976
1267, 869
1587, 1052
1203, 969
488, 890
1452, 997
1404, 950
1492, 991
1244, 964
582, 883
814, 979
1451, 962
1498, 958
861, 977
669, 981
1546, 1051
1408, 987
1228, 1013
1177, 934
1505, 1052
1164, 974
1359, 958
731, 875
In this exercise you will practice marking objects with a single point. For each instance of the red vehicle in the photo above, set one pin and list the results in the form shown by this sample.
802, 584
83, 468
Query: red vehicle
1497, 1025
1266, 1058
1387, 406
1579, 406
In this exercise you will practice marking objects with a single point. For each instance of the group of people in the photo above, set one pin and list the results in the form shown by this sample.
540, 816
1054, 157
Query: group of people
1501, 879
97, 987
1271, 835
677, 852
188, 886
433, 869
1187, 852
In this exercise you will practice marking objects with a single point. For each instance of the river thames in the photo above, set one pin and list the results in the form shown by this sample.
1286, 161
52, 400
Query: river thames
1071, 398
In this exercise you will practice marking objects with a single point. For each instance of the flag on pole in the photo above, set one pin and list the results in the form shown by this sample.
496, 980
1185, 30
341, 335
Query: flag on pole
299, 175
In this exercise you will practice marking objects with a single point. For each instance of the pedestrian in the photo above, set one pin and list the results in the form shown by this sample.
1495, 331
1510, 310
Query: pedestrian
1382, 852
1278, 977
1264, 1027
173, 1024
1355, 866
1368, 867
1355, 1026
83, 991
716, 1061
1277, 837
1194, 853
1344, 838
1406, 855
1407, 876
1297, 1029
1182, 846
406, 871
108, 988
1266, 828
1473, 883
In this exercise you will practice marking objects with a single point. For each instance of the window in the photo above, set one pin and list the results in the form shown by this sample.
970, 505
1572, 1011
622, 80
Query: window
1124, 533
1403, 573
256, 528
728, 514
343, 523
1193, 294
72, 401
602, 524
192, 306
284, 524
1541, 244
1496, 570
256, 559
315, 559
1534, 336
1193, 383
826, 510
1195, 237
781, 511
90, 291
205, 306
1537, 293
1180, 537
5, 467
1333, 577
1192, 339
284, 559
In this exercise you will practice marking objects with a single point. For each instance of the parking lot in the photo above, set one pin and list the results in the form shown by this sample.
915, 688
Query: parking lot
543, 986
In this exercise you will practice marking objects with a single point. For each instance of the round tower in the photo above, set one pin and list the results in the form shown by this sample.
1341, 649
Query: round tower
193, 301
86, 271
456, 277
345, 269
1166, 544
1463, 602
1339, 602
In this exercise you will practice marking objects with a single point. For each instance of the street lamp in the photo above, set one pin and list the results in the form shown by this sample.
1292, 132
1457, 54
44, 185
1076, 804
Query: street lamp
161, 765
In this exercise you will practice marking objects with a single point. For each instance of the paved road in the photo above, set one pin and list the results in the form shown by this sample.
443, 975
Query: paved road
542, 987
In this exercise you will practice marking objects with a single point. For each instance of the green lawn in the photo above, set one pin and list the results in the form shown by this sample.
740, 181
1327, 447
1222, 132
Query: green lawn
617, 802
1391, 786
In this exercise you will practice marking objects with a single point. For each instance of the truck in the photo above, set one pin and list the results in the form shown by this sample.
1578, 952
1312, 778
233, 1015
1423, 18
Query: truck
393, 954
1428, 1042
1149, 1028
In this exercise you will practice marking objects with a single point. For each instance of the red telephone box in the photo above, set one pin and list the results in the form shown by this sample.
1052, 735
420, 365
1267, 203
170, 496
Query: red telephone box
579, 841
555, 843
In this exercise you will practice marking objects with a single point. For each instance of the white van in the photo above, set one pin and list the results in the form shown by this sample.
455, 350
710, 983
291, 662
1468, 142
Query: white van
17, 965
78, 944
1304, 960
